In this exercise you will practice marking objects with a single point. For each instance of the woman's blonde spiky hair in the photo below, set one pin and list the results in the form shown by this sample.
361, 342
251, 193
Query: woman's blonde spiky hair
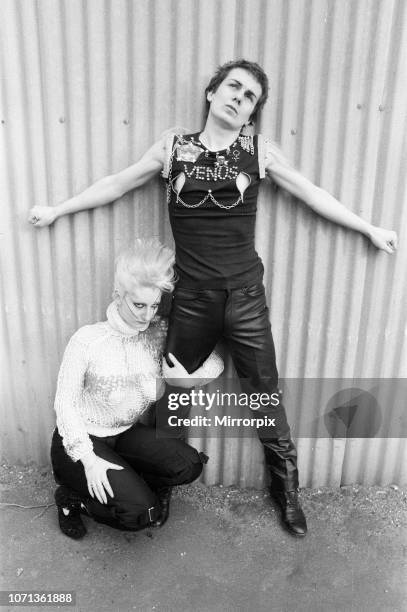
146, 262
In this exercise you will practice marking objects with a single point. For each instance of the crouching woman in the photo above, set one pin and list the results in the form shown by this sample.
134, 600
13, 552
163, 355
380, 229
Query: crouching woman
110, 465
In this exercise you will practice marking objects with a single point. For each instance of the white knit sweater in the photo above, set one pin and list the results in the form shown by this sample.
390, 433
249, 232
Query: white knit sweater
109, 376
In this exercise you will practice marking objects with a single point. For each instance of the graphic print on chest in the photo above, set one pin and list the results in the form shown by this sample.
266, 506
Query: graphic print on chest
198, 166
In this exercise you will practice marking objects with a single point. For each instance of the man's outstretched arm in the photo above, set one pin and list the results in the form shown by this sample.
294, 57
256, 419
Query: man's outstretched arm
107, 189
322, 202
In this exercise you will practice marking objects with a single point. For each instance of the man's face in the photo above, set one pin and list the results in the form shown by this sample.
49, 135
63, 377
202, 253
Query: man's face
234, 101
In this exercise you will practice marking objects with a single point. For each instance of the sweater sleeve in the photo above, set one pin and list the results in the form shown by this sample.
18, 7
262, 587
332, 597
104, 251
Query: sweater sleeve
211, 368
68, 398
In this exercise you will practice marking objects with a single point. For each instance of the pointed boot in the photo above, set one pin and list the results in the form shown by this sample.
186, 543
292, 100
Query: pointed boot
291, 512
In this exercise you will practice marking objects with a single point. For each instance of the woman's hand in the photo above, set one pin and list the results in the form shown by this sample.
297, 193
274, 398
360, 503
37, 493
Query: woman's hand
177, 375
96, 476
42, 215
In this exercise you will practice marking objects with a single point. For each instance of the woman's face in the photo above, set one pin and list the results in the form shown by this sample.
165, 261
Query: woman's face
138, 306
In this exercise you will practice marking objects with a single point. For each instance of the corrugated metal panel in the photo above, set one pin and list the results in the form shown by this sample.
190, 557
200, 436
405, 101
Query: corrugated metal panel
87, 86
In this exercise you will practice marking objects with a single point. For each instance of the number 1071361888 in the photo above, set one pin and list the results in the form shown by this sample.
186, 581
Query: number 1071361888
37, 598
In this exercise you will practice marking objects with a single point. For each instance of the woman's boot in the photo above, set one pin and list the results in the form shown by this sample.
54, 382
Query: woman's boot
164, 497
69, 506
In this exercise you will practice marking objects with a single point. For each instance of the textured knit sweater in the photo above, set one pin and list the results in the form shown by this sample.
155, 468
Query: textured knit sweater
110, 374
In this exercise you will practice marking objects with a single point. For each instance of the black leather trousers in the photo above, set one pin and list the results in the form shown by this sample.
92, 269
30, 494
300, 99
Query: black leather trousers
148, 464
199, 319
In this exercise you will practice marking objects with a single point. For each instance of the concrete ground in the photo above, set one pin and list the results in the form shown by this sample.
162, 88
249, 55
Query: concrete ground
223, 549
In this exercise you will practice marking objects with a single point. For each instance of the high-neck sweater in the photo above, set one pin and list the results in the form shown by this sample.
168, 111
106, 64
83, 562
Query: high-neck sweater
110, 374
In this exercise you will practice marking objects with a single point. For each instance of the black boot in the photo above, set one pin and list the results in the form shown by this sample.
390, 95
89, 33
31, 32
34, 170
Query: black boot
69, 513
281, 461
292, 514
164, 497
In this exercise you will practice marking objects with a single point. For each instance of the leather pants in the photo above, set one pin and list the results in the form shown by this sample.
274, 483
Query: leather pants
199, 319
148, 464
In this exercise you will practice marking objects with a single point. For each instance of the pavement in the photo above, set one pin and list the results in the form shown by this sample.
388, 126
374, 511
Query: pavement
223, 549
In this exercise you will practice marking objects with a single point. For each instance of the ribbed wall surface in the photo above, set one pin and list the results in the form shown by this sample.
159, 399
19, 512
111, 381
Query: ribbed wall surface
87, 86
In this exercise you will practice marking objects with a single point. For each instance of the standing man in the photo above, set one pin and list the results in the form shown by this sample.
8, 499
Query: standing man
213, 178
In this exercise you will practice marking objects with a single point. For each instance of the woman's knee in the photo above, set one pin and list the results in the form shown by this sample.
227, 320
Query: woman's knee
128, 513
134, 516
134, 503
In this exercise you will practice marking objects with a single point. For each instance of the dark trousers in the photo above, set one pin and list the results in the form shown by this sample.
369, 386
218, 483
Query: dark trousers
149, 463
198, 320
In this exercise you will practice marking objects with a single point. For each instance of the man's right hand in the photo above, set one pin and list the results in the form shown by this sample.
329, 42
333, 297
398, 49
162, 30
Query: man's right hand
96, 477
42, 215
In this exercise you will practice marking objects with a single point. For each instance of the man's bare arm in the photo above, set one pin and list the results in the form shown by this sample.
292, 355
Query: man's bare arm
107, 189
323, 203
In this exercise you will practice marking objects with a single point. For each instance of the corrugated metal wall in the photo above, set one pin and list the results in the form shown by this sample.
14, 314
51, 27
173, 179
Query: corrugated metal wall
87, 85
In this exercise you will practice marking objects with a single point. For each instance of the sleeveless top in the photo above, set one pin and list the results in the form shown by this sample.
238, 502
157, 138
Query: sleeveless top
212, 200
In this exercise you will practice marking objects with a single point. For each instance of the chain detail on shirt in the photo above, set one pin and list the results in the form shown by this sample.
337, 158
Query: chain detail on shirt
246, 142
212, 203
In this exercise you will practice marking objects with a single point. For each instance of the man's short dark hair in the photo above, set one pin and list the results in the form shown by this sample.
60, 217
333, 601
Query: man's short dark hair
255, 70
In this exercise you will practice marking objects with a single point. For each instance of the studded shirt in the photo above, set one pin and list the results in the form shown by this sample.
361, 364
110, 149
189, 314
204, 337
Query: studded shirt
212, 199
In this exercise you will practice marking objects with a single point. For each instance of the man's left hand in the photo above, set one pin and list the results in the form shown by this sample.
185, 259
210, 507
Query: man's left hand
384, 239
